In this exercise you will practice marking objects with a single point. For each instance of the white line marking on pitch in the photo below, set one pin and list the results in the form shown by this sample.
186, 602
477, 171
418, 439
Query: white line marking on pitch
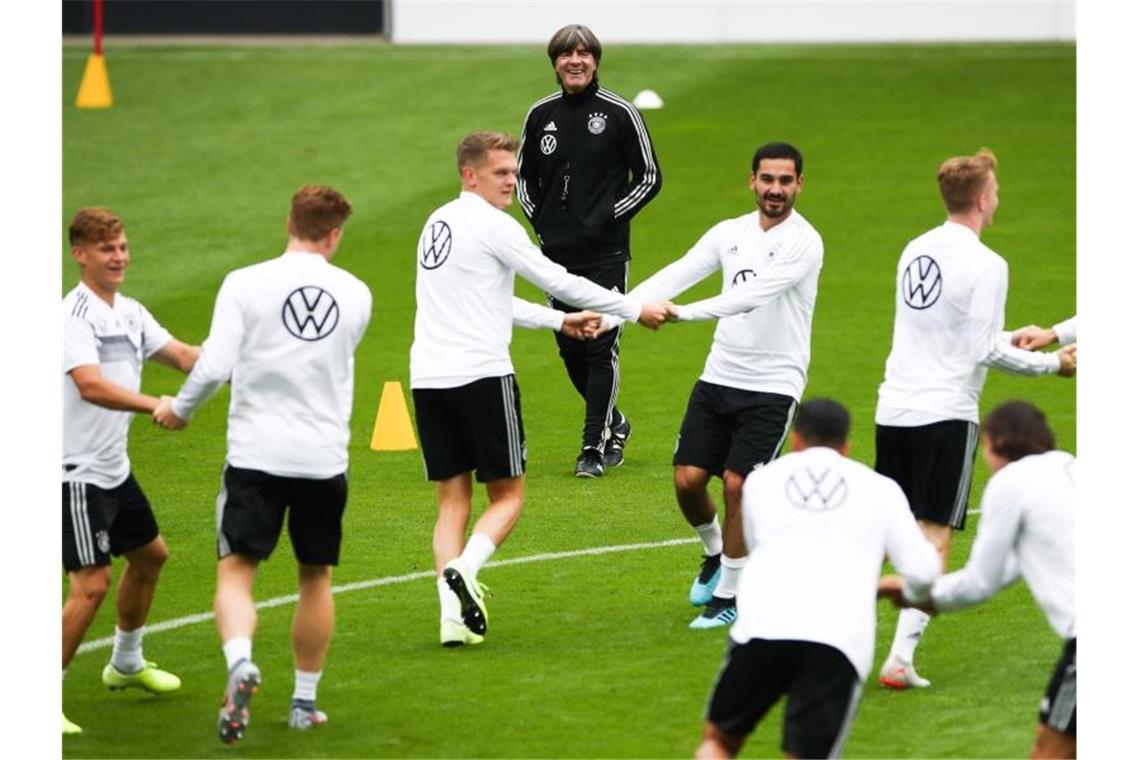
201, 617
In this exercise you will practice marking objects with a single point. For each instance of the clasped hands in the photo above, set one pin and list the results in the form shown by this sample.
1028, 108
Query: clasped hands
587, 325
164, 415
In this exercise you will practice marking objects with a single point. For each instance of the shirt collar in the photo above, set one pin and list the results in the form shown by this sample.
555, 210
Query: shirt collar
302, 255
779, 226
96, 299
958, 228
578, 97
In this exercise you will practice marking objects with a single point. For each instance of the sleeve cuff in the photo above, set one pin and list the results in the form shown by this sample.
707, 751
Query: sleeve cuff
182, 409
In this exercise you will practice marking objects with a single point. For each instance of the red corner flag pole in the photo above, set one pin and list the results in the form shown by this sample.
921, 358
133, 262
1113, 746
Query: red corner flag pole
95, 89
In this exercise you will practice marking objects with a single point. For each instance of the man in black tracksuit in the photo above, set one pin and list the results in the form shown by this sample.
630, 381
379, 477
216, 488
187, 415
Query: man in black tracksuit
586, 166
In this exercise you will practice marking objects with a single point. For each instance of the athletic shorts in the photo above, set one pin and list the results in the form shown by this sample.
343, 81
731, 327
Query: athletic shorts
477, 427
1059, 706
252, 507
822, 686
732, 429
934, 466
99, 522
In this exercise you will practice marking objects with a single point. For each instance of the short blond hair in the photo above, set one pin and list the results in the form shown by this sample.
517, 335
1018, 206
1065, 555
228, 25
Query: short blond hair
961, 179
316, 211
93, 224
473, 148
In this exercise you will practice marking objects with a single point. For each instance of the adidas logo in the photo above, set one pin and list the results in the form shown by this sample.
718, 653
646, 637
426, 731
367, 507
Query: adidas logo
550, 128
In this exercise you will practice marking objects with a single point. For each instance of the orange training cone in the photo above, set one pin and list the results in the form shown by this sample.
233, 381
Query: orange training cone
95, 89
393, 428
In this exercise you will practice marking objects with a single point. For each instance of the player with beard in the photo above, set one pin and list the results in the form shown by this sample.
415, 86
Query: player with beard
742, 406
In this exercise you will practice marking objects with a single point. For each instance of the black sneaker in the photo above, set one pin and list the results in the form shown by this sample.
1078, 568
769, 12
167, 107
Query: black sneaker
589, 464
614, 454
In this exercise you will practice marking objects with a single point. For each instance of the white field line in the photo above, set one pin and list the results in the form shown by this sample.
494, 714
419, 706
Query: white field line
201, 617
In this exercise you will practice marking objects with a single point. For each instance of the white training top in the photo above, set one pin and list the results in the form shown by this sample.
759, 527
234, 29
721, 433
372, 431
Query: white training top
1026, 529
949, 312
1066, 331
283, 333
118, 339
769, 284
468, 254
817, 526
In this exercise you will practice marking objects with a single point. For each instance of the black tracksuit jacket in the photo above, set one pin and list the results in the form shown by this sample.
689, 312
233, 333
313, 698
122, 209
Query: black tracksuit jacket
586, 166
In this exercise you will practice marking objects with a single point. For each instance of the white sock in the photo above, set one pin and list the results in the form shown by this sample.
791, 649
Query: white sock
237, 649
912, 624
305, 685
448, 602
126, 655
478, 550
730, 568
710, 537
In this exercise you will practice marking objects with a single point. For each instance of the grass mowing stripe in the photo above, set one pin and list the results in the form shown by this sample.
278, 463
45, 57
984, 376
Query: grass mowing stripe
278, 601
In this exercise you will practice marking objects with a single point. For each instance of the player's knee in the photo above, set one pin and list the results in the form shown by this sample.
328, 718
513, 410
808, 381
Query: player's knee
92, 587
314, 577
688, 481
733, 485
150, 558
715, 744
1050, 743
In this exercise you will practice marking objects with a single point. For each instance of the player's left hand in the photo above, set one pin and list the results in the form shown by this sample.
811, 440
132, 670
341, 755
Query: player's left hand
164, 414
582, 325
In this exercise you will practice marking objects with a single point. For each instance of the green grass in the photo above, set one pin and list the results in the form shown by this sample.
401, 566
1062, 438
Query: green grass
588, 656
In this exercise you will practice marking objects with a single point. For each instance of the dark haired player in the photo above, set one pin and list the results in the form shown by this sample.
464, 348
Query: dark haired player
742, 406
817, 526
1026, 530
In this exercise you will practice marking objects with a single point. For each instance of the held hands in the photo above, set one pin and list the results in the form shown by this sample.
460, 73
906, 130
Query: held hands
582, 325
891, 587
1068, 357
653, 315
1032, 337
164, 414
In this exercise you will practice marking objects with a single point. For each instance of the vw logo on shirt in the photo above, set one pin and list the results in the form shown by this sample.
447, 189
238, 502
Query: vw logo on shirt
816, 490
921, 283
743, 276
547, 144
435, 245
310, 313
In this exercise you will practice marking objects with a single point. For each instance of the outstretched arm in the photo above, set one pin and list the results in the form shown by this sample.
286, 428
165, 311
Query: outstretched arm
177, 355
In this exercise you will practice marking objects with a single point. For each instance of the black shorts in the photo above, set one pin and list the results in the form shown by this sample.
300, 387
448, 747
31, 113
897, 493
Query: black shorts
821, 683
477, 427
934, 466
99, 522
1059, 707
732, 429
251, 510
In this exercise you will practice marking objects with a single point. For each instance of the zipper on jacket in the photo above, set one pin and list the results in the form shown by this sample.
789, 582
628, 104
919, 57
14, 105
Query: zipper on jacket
565, 185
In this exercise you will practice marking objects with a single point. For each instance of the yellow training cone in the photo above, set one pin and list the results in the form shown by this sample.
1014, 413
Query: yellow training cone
95, 89
393, 429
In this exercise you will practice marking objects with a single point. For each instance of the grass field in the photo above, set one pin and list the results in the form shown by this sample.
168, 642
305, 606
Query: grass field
589, 655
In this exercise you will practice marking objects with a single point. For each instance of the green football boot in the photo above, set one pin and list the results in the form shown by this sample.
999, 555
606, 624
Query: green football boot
150, 678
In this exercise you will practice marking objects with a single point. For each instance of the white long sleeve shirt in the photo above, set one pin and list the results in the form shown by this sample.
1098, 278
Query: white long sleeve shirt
769, 284
284, 332
119, 339
468, 255
1026, 530
817, 526
1066, 331
950, 294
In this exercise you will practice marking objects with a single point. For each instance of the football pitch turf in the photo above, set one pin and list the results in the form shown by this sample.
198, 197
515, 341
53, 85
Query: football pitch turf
589, 654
